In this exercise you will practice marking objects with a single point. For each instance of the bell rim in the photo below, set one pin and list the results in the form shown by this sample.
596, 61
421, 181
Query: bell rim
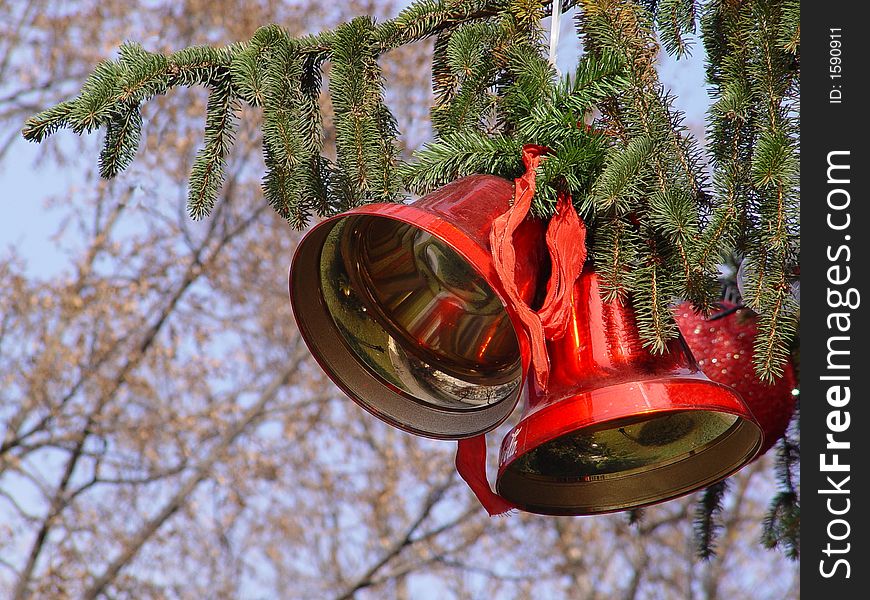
745, 427
454, 424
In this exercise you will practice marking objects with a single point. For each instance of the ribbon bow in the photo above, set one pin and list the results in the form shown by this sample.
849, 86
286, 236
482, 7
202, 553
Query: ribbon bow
566, 243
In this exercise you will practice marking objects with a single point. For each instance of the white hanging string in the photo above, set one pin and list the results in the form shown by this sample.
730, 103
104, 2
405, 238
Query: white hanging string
555, 29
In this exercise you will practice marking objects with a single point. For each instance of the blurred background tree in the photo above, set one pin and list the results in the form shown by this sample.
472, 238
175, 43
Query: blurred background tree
164, 433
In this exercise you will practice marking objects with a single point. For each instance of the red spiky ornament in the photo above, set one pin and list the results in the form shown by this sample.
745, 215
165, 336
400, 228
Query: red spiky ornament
723, 348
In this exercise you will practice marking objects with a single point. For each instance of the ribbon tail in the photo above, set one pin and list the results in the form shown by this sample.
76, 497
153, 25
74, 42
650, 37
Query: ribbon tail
504, 259
471, 466
566, 242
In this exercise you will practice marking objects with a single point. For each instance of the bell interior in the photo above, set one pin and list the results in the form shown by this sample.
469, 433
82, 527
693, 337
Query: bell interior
629, 463
418, 315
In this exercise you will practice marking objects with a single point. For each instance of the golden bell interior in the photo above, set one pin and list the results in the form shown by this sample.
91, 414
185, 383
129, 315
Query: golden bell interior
627, 448
417, 315
630, 463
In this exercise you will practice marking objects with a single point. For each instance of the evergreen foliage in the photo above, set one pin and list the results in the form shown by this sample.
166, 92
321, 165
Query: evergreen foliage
753, 67
707, 514
782, 524
658, 228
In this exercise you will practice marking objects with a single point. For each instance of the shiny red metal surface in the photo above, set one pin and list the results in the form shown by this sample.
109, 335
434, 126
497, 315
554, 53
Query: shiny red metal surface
460, 216
602, 377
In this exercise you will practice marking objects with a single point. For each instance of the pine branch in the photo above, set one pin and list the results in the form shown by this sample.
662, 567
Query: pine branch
238, 73
49, 121
469, 56
654, 162
364, 127
532, 108
207, 173
653, 287
752, 65
96, 103
615, 251
249, 66
122, 141
789, 34
444, 82
621, 185
676, 20
282, 141
595, 80
317, 170
462, 153
781, 525
707, 523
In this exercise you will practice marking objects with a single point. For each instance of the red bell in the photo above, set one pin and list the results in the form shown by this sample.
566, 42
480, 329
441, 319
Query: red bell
619, 427
401, 306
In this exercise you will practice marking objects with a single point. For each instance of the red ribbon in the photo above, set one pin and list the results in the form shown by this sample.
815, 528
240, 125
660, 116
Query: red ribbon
566, 242
471, 466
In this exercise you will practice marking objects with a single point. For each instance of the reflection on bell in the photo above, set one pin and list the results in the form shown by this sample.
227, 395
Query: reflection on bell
401, 306
619, 427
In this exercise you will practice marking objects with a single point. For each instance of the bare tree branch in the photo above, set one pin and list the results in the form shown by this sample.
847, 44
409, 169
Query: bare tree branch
367, 579
200, 472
